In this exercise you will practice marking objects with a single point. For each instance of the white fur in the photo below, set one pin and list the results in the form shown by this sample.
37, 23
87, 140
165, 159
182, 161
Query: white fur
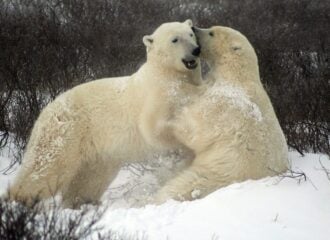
232, 128
84, 136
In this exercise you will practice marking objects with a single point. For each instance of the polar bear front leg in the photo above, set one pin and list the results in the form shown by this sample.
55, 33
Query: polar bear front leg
188, 185
206, 174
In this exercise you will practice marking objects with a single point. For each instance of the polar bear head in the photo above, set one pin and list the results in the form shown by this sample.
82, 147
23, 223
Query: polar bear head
173, 46
223, 45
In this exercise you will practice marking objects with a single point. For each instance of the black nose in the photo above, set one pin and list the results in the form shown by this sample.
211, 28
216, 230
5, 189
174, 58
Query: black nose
193, 29
196, 51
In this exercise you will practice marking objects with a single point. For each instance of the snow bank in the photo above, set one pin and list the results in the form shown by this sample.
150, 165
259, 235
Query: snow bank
270, 208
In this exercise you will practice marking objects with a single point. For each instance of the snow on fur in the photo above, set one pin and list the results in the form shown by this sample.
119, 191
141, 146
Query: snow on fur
236, 97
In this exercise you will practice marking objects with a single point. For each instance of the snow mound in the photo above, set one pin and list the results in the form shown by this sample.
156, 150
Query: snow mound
270, 208
282, 207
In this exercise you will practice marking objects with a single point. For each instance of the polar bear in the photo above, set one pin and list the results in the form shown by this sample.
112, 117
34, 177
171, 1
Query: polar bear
232, 128
84, 136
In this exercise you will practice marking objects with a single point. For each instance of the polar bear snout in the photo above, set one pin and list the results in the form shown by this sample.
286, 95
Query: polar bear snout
199, 33
191, 62
196, 29
197, 51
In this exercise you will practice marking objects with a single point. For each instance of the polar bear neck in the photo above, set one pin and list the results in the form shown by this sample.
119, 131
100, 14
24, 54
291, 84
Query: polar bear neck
159, 74
235, 71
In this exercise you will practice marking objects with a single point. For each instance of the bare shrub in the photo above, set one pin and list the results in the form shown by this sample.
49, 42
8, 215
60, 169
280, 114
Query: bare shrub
17, 221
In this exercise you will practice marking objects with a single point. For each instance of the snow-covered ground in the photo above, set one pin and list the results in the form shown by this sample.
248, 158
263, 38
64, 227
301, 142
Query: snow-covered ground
270, 208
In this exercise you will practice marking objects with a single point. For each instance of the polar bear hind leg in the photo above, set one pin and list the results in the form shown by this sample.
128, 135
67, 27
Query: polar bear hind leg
90, 182
51, 159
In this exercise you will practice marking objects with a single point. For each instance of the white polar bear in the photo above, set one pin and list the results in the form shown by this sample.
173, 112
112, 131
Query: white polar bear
85, 135
233, 128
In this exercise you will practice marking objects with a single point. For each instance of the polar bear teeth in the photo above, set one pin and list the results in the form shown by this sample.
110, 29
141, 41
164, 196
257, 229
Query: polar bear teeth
192, 64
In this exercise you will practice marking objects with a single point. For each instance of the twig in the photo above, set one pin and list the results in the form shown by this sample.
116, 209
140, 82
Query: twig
297, 149
295, 175
327, 171
291, 174
7, 169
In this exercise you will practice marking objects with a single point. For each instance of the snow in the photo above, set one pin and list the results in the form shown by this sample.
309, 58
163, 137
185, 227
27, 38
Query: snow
7, 173
270, 208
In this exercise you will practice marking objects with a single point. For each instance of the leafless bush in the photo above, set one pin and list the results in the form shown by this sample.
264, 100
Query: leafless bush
17, 221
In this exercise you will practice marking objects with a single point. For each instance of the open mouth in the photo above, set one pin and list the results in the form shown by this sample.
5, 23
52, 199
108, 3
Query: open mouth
192, 64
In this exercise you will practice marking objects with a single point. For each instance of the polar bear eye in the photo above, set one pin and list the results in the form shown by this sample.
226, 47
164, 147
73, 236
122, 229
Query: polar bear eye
211, 34
174, 40
235, 48
191, 35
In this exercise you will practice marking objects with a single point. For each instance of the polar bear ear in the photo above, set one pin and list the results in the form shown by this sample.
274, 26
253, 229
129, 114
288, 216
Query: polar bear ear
148, 40
188, 22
